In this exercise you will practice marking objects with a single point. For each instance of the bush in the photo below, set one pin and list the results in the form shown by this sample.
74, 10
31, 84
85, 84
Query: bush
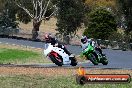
7, 25
101, 24
8, 31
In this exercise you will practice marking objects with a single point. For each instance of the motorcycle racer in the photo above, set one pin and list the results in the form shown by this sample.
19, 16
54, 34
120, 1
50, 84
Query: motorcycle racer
85, 41
49, 39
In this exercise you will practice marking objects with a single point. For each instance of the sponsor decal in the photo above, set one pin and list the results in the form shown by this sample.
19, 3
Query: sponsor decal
83, 78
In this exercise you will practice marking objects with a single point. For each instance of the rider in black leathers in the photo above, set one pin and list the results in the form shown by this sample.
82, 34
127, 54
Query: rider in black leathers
49, 39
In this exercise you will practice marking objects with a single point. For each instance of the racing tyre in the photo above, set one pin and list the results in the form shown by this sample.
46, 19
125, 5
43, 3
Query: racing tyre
57, 61
93, 58
104, 61
73, 61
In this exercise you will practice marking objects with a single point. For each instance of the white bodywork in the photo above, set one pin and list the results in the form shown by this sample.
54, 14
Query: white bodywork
60, 51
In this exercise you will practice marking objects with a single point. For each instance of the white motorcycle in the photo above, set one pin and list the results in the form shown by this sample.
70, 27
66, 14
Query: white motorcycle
58, 56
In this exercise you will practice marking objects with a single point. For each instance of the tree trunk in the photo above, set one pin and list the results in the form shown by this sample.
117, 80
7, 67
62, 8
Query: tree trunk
35, 30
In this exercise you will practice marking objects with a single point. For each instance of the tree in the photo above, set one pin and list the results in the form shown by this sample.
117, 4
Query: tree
37, 10
6, 21
7, 24
101, 24
125, 7
8, 17
69, 18
2, 3
101, 3
109, 4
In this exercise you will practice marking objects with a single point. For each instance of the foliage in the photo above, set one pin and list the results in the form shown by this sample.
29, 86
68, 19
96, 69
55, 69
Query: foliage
70, 14
115, 36
112, 5
24, 17
2, 3
125, 8
36, 10
101, 24
101, 3
122, 40
8, 22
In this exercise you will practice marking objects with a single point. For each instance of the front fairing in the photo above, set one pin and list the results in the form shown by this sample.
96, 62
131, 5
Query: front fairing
89, 49
48, 49
55, 51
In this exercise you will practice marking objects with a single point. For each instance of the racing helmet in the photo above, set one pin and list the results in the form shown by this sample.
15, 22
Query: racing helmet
83, 39
47, 36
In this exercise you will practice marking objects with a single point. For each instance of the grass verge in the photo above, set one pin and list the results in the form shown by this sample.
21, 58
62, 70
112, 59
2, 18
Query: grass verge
37, 81
20, 77
15, 55
21, 55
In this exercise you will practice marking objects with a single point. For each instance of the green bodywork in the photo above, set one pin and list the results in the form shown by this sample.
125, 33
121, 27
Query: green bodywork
91, 54
88, 50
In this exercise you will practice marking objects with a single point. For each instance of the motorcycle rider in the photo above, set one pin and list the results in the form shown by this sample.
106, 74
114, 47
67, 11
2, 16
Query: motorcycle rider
85, 41
49, 39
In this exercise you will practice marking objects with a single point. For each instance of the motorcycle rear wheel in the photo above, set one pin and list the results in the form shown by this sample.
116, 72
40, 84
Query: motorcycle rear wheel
104, 61
73, 61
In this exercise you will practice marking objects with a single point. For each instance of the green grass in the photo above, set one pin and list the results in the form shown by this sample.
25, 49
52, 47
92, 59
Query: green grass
16, 55
23, 81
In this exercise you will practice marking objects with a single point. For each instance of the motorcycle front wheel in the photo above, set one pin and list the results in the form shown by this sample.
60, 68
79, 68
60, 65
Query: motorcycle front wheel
57, 61
93, 58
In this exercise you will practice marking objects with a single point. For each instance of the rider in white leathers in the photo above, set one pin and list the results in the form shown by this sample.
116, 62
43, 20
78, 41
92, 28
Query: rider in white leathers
85, 41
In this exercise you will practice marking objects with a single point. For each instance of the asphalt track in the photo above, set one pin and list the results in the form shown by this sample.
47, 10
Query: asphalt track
118, 59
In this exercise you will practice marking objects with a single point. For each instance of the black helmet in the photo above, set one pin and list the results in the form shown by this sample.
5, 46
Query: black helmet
84, 39
47, 37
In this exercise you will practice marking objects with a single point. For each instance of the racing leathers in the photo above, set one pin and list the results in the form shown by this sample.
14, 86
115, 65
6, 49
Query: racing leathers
55, 42
93, 43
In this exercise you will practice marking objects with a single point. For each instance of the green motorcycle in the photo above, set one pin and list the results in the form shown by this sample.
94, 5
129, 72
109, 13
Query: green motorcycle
94, 55
90, 54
